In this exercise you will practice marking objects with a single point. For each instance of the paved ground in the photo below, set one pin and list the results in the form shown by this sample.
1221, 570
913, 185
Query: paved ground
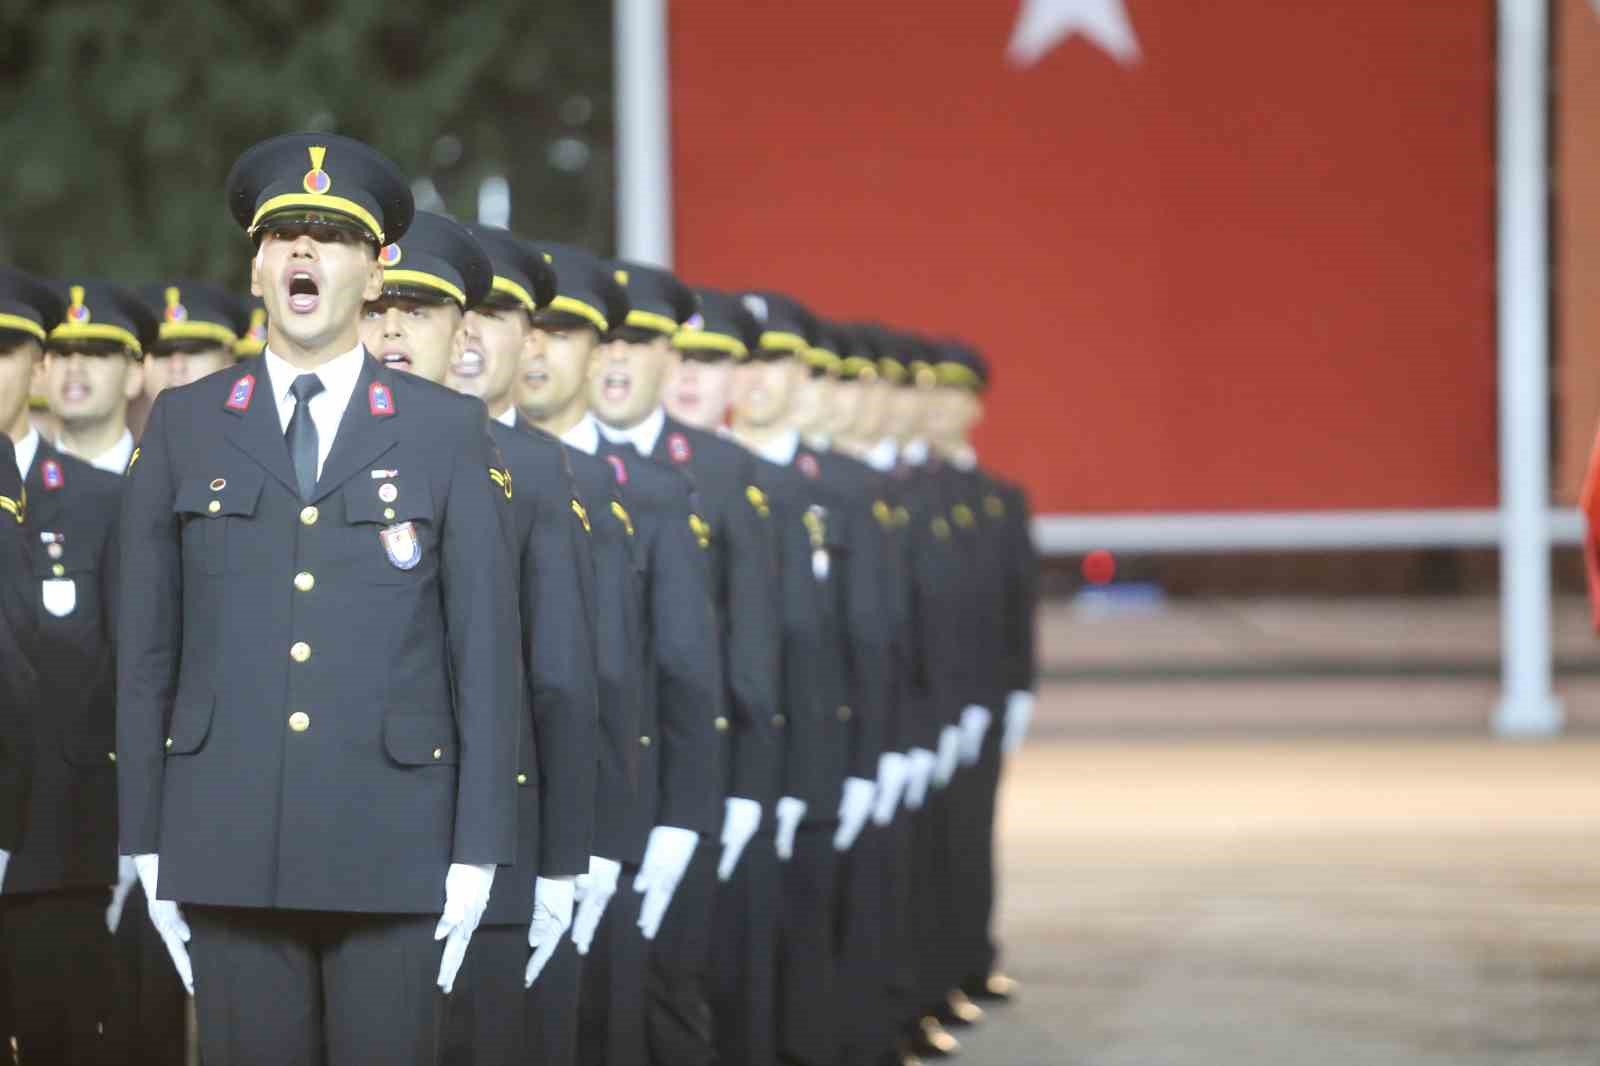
1396, 902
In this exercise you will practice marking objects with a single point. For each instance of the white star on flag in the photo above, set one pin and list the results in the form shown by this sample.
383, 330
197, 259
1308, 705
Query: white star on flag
1043, 24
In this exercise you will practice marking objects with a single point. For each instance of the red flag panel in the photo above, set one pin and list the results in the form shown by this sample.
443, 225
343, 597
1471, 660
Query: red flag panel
1250, 270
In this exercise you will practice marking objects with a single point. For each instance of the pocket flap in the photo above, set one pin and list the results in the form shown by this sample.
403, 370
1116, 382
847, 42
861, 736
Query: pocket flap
410, 501
234, 492
420, 739
191, 724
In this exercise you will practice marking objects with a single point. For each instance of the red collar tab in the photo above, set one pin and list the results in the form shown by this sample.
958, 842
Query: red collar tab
380, 401
50, 471
678, 448
243, 389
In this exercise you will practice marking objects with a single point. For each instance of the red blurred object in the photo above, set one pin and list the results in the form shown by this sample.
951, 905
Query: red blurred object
1099, 567
1251, 268
1589, 504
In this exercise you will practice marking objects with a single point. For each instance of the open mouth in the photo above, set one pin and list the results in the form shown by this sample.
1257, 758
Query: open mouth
75, 391
616, 385
395, 359
303, 293
536, 376
469, 364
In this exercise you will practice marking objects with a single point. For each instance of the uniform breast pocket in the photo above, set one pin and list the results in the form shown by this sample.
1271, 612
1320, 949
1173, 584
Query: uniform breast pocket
208, 508
393, 530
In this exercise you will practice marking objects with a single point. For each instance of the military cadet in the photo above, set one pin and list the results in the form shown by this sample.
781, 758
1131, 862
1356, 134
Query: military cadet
742, 983
626, 401
56, 944
677, 797
318, 697
18, 681
89, 383
201, 327
435, 275
998, 510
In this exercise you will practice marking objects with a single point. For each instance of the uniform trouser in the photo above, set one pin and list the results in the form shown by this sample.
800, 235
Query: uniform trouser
55, 948
900, 920
808, 1006
744, 958
307, 988
933, 899
492, 1020
865, 1016
678, 1014
611, 1008
145, 1023
974, 850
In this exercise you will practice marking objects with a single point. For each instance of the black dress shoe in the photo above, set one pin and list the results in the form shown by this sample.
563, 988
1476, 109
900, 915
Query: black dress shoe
996, 988
930, 1041
960, 1012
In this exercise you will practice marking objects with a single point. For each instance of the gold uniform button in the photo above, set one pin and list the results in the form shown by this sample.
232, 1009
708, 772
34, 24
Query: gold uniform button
438, 753
299, 721
112, 756
304, 581
58, 570
779, 721
169, 743
300, 651
214, 506
844, 714
644, 742
308, 516
522, 779
388, 514
721, 724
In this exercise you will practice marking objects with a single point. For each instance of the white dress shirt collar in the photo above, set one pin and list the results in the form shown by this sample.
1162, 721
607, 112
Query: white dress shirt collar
26, 449
585, 436
964, 458
780, 449
339, 377
883, 454
642, 436
508, 417
915, 452
114, 460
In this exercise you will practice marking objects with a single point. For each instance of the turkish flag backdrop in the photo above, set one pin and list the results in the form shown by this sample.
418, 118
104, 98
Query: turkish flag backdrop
1251, 271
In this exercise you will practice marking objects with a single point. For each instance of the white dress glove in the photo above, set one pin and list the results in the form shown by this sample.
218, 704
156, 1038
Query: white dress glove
739, 824
974, 726
949, 757
855, 805
552, 917
593, 891
466, 894
666, 857
127, 874
893, 769
1019, 712
167, 918
920, 763
788, 814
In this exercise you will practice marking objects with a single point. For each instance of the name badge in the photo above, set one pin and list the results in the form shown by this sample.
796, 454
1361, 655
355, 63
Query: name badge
60, 596
401, 545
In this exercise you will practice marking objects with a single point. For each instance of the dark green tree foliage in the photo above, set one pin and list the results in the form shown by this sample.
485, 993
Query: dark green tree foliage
120, 118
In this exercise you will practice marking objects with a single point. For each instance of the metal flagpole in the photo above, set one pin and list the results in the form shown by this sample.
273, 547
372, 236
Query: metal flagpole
1528, 707
644, 155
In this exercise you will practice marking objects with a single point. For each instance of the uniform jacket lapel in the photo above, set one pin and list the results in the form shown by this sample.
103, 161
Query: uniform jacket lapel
256, 430
363, 435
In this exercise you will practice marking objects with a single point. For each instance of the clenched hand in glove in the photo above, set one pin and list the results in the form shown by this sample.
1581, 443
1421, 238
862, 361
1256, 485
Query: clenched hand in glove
893, 770
855, 805
974, 726
167, 918
593, 892
944, 771
127, 874
552, 917
921, 762
787, 814
739, 824
466, 895
666, 858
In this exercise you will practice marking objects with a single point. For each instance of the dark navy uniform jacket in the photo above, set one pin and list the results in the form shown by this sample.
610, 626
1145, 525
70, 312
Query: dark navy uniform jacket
743, 573
17, 679
557, 733
318, 701
681, 722
69, 837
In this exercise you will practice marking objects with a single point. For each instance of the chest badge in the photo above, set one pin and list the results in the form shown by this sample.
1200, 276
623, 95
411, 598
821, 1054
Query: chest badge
59, 596
52, 475
401, 545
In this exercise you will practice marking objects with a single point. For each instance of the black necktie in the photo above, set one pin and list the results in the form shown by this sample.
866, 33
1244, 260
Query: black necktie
302, 435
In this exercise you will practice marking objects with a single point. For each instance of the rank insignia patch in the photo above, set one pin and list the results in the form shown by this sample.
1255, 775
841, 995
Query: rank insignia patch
134, 458
501, 478
53, 477
243, 389
702, 531
583, 516
758, 500
622, 516
678, 448
15, 508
